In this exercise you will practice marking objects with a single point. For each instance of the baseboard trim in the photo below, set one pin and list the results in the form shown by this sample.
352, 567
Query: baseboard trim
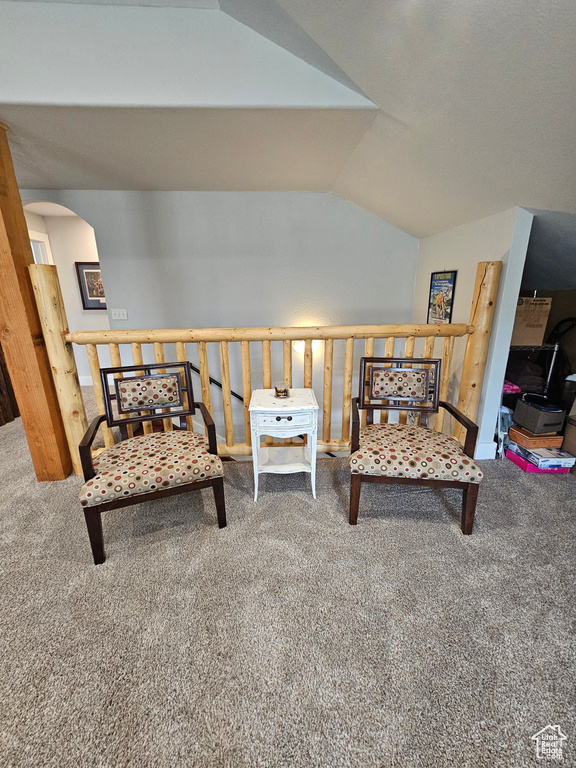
485, 451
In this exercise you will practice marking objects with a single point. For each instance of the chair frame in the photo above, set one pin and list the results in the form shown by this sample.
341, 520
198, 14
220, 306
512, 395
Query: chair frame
93, 514
469, 490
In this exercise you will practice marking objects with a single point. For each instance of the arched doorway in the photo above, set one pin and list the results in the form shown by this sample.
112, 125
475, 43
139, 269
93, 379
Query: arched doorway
59, 236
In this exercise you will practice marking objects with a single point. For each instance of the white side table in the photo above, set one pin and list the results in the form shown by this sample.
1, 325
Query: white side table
284, 418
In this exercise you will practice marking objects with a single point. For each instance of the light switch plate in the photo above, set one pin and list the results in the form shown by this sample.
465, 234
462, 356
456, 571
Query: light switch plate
119, 314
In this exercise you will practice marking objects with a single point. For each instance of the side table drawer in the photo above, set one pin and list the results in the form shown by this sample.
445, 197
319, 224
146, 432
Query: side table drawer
284, 421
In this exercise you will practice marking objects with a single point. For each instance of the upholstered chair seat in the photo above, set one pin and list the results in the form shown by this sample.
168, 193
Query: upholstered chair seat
405, 450
140, 465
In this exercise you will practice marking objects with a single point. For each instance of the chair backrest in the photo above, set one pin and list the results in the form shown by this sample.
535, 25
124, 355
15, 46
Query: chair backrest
136, 393
399, 384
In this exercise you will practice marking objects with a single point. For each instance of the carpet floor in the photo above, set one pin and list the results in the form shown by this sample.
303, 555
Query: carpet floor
288, 639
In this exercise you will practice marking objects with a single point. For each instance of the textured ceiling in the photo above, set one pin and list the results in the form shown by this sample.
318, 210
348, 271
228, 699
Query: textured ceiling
144, 3
164, 149
475, 113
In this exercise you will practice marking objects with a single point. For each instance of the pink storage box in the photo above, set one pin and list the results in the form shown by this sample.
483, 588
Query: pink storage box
529, 467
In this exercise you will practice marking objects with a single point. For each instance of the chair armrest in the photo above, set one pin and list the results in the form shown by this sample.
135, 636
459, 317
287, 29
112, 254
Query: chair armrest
211, 429
85, 445
355, 439
470, 427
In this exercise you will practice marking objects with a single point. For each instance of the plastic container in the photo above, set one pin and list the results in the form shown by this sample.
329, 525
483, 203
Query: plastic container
569, 391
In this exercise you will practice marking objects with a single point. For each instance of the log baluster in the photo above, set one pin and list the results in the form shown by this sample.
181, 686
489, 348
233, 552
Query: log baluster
368, 352
138, 359
327, 394
204, 374
408, 352
308, 364
246, 388
94, 362
160, 358
287, 368
388, 352
444, 380
267, 374
226, 393
116, 360
347, 395
181, 357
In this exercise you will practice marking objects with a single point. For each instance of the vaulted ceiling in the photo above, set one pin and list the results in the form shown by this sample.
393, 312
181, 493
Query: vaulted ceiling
427, 113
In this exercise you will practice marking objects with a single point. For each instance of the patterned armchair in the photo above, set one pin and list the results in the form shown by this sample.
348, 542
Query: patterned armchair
409, 453
156, 463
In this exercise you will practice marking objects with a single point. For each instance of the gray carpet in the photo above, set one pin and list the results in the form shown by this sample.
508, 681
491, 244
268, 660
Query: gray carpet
288, 638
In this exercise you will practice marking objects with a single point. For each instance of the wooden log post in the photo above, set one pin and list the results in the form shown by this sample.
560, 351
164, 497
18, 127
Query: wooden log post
21, 335
481, 317
55, 327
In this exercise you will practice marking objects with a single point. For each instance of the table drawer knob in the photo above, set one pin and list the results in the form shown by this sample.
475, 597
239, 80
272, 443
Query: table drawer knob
279, 418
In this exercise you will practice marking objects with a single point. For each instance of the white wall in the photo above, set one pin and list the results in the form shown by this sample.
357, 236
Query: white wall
35, 222
193, 259
71, 240
501, 237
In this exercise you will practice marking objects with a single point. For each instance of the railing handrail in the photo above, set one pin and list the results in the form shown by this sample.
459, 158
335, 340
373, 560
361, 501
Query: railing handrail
294, 333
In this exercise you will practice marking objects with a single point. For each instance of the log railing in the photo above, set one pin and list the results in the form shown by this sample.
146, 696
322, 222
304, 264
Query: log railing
355, 341
242, 359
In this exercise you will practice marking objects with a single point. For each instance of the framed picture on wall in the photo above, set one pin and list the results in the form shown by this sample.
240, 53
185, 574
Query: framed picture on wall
441, 297
90, 283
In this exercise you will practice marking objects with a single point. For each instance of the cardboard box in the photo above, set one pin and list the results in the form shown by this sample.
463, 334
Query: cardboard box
528, 439
527, 466
539, 418
530, 322
544, 458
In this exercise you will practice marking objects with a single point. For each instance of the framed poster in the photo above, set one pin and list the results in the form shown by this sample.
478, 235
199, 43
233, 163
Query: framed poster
90, 282
441, 297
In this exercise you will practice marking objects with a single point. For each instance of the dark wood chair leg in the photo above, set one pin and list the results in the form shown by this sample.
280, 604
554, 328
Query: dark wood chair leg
218, 488
469, 499
94, 524
355, 486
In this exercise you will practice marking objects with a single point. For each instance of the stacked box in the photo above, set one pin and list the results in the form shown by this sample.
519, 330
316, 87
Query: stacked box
527, 439
539, 418
527, 466
530, 322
